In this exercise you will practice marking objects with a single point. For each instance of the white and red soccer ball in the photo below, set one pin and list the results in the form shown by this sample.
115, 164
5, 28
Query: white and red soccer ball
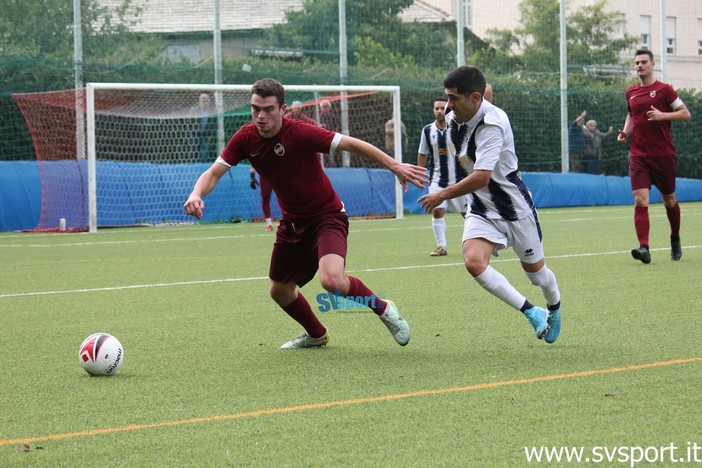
101, 354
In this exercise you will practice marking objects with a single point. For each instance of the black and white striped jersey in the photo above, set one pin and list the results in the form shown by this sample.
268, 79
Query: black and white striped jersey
486, 142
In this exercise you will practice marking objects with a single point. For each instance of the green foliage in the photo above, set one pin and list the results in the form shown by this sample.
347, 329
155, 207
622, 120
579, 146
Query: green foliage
370, 53
372, 28
15, 141
535, 46
314, 29
540, 34
593, 36
46, 31
522, 65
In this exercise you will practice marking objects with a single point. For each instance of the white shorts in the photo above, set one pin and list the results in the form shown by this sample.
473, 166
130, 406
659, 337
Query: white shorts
523, 235
456, 205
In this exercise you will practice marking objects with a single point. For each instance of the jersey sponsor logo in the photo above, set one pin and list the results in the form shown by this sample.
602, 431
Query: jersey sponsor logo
279, 149
652, 93
464, 160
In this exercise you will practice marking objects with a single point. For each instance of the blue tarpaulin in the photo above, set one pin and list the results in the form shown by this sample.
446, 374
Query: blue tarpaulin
365, 192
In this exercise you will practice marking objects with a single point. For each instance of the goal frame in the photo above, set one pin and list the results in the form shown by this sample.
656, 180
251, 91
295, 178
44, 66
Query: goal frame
92, 87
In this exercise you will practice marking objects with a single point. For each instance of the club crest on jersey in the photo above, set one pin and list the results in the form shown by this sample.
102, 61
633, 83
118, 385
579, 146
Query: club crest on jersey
279, 149
652, 93
466, 163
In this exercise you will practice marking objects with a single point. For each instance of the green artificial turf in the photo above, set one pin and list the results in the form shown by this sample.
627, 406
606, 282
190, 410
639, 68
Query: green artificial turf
204, 383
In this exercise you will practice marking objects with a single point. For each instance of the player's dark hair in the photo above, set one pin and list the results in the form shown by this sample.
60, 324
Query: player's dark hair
466, 80
440, 98
644, 52
269, 87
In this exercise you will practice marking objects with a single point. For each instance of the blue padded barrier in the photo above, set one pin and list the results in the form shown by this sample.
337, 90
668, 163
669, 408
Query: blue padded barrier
20, 195
363, 191
68, 182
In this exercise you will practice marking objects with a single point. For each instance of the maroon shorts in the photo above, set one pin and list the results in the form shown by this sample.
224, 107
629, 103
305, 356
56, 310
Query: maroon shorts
659, 171
298, 248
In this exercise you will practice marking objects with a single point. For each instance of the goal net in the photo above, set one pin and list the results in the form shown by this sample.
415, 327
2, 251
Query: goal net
145, 145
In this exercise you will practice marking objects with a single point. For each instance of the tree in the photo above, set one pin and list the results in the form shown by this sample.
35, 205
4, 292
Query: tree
44, 29
315, 29
593, 36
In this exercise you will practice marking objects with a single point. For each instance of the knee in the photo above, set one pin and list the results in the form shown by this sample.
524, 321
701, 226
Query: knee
669, 201
333, 282
475, 266
640, 200
537, 278
282, 294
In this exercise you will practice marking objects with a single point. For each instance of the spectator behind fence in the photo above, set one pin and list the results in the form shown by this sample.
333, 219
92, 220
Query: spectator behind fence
328, 120
576, 143
203, 131
592, 150
295, 112
390, 138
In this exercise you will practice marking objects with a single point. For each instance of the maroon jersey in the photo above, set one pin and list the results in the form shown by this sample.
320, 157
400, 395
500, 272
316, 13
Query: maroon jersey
650, 137
289, 161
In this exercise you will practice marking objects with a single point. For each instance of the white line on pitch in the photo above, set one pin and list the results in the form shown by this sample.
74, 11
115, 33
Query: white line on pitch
260, 278
253, 235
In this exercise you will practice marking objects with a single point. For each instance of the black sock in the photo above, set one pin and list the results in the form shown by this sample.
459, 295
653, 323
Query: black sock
554, 307
527, 305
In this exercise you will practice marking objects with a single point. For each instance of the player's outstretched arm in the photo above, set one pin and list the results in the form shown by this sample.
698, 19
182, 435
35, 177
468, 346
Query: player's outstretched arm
475, 180
624, 133
416, 175
194, 206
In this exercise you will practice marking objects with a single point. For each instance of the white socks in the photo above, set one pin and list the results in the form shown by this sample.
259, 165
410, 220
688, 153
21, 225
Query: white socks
496, 284
546, 280
439, 227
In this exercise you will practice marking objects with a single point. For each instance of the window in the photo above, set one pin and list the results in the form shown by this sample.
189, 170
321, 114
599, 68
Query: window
645, 31
670, 33
620, 32
468, 13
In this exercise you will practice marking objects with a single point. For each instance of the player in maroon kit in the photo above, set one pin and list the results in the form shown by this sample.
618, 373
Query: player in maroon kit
312, 235
652, 106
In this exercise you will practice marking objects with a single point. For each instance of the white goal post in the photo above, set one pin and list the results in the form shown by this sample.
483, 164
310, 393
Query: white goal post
122, 116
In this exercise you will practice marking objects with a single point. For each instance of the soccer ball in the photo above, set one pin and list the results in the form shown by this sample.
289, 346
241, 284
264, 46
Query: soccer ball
101, 354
